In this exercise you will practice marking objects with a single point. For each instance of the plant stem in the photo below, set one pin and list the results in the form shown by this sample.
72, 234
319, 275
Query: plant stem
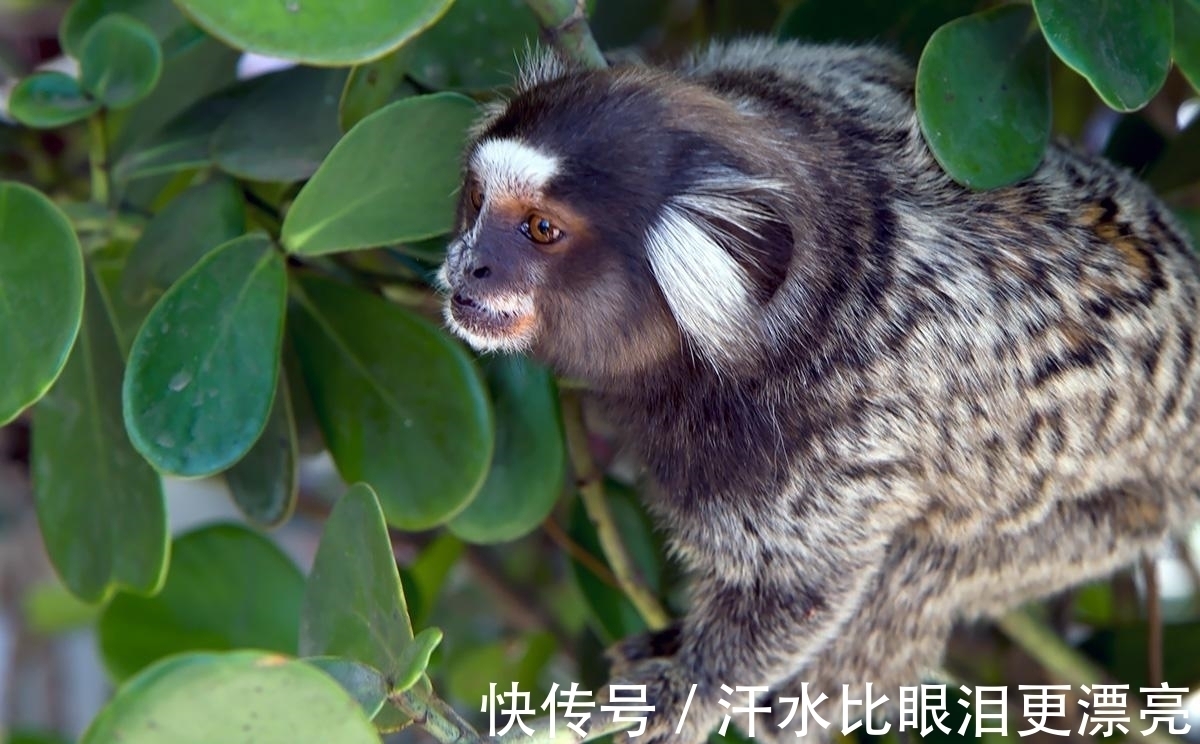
590, 482
1065, 663
565, 27
98, 157
434, 715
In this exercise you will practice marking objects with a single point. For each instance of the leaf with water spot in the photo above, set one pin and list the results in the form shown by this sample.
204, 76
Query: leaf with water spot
315, 32
203, 368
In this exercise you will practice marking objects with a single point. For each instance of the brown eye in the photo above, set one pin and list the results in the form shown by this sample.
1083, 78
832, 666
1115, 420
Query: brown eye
476, 196
541, 230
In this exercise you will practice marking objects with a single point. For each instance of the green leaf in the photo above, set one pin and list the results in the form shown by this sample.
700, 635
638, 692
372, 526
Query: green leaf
354, 603
203, 368
228, 587
41, 295
1186, 48
473, 47
284, 131
366, 685
264, 483
612, 614
983, 97
190, 74
316, 32
372, 86
401, 404
427, 574
49, 608
907, 25
46, 100
99, 504
526, 477
183, 142
231, 697
195, 222
120, 61
161, 16
391, 179
1123, 48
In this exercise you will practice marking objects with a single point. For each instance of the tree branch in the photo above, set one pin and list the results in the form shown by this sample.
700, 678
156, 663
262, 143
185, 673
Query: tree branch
590, 482
565, 27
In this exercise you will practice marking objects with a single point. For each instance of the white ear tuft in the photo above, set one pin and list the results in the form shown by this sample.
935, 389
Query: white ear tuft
707, 291
539, 65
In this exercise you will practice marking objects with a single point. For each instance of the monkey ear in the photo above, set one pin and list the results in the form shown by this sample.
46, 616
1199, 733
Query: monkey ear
749, 226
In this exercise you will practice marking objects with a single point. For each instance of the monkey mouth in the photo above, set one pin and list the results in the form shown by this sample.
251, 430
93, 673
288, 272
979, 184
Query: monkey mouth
502, 324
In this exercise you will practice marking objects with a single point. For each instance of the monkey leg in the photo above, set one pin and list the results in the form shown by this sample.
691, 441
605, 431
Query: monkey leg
898, 635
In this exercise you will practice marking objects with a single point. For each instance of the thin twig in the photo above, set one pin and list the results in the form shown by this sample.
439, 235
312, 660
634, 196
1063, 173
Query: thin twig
1066, 664
1154, 650
578, 552
590, 482
565, 27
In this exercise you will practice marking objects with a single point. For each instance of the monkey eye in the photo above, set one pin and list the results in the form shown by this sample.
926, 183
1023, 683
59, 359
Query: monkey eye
540, 229
475, 193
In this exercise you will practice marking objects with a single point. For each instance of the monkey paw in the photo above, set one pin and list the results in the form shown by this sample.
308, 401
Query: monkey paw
675, 709
643, 646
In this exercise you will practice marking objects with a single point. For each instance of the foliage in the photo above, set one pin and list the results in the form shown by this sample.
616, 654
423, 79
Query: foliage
200, 274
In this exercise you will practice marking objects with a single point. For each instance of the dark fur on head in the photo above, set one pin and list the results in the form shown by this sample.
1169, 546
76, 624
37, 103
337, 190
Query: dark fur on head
871, 399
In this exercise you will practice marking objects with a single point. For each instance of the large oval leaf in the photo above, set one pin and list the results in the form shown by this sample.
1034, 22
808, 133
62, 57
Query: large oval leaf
192, 224
50, 99
1186, 49
526, 477
100, 505
354, 604
231, 697
284, 131
228, 587
473, 46
41, 295
391, 179
120, 61
203, 368
401, 404
983, 97
161, 16
264, 483
1123, 48
317, 32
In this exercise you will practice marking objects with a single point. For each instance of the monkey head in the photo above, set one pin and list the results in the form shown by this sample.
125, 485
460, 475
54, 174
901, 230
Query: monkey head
613, 221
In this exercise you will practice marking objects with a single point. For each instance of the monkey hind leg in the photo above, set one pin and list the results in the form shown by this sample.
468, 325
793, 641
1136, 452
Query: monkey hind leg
896, 638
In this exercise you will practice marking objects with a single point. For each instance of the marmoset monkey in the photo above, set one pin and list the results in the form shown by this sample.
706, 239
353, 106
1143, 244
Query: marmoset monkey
872, 401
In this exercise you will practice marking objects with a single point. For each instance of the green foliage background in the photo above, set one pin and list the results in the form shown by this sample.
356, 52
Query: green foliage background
206, 276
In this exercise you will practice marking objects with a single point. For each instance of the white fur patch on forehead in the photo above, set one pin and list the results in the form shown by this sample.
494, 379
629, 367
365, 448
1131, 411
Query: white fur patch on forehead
513, 168
707, 291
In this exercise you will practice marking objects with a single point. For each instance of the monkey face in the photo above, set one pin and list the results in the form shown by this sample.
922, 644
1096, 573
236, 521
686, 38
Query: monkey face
534, 268
610, 222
